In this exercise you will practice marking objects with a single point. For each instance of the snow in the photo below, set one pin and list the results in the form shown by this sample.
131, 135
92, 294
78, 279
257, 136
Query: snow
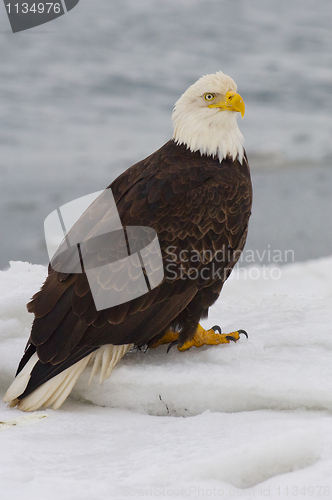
251, 419
246, 420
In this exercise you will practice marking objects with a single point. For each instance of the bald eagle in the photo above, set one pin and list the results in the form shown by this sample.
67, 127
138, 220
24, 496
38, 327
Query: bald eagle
195, 193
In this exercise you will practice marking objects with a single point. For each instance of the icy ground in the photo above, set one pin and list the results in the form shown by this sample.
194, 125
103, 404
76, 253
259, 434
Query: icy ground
245, 420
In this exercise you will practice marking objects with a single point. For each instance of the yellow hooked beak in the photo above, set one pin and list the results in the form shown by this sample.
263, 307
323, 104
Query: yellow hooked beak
233, 102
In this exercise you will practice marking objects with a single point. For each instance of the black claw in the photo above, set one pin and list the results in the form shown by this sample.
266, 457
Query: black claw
141, 348
175, 342
242, 331
229, 337
216, 328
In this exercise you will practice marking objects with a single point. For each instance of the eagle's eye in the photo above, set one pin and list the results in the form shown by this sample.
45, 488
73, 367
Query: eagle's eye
209, 96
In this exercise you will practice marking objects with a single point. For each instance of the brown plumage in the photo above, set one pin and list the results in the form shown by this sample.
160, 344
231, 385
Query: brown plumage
197, 204
193, 203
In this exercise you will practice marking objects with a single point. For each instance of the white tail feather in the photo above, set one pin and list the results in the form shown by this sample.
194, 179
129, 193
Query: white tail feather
20, 382
106, 358
57, 389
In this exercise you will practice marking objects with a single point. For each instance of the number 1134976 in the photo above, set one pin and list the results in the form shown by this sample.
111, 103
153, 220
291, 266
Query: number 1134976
35, 8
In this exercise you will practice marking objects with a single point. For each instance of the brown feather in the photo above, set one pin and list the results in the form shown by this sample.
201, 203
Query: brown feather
194, 203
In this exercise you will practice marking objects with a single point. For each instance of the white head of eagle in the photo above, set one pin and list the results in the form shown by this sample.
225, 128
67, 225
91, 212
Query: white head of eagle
204, 118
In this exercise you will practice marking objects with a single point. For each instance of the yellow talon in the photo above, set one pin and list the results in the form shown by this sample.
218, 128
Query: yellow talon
168, 337
208, 337
201, 337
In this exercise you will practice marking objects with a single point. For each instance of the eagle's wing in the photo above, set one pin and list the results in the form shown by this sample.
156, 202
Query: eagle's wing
193, 203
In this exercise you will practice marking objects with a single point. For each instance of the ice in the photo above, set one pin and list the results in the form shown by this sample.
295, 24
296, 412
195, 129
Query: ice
246, 419
85, 97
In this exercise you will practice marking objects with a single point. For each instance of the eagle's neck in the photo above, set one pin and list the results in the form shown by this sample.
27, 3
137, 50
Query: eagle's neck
212, 132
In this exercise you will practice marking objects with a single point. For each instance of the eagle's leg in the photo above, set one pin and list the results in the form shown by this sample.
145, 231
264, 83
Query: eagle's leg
168, 337
200, 338
210, 337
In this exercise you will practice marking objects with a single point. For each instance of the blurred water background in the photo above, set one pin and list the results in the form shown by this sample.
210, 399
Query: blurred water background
87, 95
